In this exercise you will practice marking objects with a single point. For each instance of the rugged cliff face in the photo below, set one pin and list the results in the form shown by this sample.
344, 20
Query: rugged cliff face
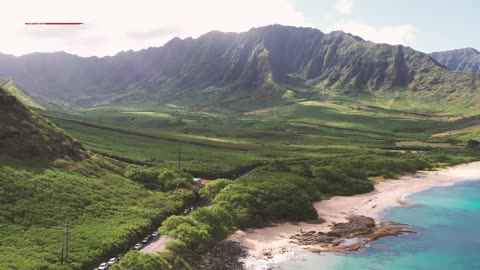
463, 60
255, 68
26, 135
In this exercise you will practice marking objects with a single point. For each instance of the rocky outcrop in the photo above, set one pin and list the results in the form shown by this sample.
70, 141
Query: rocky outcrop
350, 236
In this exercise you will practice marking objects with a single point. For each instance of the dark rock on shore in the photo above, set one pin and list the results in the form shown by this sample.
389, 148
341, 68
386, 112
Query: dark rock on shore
225, 256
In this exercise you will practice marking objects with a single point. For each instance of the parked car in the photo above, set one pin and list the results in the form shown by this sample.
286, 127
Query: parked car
103, 266
145, 240
112, 261
119, 256
138, 246
186, 211
155, 234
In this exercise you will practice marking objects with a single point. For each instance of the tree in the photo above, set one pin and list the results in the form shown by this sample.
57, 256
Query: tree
257, 204
145, 176
171, 179
135, 260
196, 237
171, 223
194, 234
162, 179
218, 220
211, 190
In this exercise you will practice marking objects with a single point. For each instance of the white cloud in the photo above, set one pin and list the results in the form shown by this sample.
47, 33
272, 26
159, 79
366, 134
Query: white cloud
400, 34
345, 7
113, 25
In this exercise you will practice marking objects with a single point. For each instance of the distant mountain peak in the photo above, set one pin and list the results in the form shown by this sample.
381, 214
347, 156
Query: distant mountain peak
470, 50
462, 60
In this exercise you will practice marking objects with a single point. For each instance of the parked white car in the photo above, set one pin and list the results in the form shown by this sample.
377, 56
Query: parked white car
112, 261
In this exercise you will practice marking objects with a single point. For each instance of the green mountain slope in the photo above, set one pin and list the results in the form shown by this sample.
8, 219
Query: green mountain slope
12, 88
259, 68
463, 60
27, 136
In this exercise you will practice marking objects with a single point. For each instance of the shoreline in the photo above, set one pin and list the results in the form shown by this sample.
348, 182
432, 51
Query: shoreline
266, 243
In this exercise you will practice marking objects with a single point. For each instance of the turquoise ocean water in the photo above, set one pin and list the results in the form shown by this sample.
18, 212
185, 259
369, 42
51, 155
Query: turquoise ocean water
447, 220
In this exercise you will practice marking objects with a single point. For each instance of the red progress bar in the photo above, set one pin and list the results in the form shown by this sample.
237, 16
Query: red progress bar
54, 23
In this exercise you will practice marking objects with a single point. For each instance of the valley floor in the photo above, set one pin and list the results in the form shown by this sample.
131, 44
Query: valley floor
265, 242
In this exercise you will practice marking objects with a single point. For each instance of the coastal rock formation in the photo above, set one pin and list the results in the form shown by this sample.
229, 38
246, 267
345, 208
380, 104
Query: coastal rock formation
350, 236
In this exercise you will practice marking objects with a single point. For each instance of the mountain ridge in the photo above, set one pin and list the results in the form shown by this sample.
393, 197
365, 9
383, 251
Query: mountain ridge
252, 69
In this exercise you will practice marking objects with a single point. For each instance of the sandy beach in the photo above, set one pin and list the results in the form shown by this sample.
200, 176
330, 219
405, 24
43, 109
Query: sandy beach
262, 243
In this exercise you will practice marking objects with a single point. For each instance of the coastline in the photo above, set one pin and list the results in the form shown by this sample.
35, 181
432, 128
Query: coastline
267, 243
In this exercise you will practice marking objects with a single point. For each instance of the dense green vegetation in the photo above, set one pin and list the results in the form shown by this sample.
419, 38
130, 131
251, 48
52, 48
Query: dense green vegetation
107, 212
48, 180
159, 179
195, 234
211, 190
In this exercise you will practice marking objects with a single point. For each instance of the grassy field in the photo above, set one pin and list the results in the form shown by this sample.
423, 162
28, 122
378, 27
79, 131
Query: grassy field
411, 101
217, 144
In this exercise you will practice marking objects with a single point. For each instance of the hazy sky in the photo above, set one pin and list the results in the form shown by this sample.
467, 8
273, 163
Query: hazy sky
115, 25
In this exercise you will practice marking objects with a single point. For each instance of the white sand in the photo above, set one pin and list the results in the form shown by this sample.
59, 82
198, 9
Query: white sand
390, 193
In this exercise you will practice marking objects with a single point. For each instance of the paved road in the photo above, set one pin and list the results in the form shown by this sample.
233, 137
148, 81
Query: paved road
156, 245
